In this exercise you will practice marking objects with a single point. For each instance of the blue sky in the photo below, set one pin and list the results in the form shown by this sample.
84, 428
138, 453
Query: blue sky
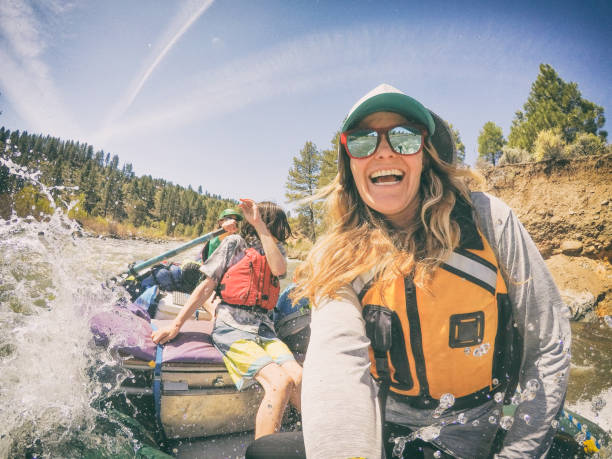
223, 94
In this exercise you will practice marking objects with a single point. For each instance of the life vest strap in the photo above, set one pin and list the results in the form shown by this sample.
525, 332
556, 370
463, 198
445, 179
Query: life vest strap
472, 267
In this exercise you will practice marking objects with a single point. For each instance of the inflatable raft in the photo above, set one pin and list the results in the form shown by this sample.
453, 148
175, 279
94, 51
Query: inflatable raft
193, 393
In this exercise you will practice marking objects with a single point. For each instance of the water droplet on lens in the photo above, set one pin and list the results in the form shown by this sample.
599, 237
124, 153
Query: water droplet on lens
477, 352
475, 422
495, 381
484, 348
467, 351
462, 418
506, 422
499, 397
554, 424
597, 404
530, 327
580, 437
447, 400
437, 454
492, 419
532, 385
527, 419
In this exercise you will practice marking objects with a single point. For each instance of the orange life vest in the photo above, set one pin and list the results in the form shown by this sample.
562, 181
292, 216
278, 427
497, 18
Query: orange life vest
453, 335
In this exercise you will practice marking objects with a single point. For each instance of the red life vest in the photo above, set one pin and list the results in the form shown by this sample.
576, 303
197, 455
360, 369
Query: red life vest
250, 282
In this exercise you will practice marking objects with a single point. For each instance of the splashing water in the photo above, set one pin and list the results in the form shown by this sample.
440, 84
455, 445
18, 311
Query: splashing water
55, 386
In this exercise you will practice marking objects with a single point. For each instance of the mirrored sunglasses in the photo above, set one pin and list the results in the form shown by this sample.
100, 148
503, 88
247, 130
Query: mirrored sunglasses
363, 142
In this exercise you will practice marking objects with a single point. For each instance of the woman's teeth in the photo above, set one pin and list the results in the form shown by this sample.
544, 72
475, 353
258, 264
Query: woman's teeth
387, 177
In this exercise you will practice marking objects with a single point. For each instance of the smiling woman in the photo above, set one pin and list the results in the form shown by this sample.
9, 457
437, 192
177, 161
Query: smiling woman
430, 304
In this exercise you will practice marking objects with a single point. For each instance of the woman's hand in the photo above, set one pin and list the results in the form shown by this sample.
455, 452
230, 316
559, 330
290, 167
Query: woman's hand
251, 213
163, 335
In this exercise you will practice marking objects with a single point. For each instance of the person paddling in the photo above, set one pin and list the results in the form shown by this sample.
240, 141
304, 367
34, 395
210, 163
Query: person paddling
430, 304
243, 331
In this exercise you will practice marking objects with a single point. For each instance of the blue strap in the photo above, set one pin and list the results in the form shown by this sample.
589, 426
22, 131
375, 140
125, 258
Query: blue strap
157, 381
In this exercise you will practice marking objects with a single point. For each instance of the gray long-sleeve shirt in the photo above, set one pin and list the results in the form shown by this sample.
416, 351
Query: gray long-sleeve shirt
340, 409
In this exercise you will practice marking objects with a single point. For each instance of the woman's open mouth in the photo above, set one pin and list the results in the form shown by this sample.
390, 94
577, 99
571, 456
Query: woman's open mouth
387, 177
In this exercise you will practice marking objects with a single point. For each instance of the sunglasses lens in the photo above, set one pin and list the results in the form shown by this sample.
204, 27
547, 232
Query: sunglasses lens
405, 140
361, 143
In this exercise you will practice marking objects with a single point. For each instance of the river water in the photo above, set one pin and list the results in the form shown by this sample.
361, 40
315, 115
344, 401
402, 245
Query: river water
59, 393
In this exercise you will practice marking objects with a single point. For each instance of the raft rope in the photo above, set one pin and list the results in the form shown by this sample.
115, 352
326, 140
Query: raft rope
590, 443
157, 380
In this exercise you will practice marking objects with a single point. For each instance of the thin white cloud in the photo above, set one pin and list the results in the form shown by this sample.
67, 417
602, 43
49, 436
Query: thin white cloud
299, 66
189, 13
25, 78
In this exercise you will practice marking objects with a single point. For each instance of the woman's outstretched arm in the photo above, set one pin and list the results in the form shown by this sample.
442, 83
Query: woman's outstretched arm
340, 409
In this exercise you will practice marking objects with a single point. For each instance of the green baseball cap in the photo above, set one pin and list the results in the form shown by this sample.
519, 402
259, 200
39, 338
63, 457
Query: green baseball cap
230, 212
386, 98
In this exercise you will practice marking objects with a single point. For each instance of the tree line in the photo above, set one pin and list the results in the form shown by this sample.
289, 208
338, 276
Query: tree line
556, 122
105, 192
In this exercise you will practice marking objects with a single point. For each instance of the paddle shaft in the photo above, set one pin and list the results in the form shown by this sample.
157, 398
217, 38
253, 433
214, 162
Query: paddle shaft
169, 254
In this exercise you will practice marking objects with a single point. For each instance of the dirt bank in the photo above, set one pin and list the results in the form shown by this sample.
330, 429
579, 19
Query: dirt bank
566, 207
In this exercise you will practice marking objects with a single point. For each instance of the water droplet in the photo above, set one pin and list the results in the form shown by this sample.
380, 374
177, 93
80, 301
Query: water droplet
447, 400
462, 418
499, 397
437, 454
484, 348
495, 381
527, 419
467, 351
428, 433
516, 399
506, 422
580, 437
475, 422
400, 445
492, 419
597, 404
477, 352
554, 424
532, 385
530, 327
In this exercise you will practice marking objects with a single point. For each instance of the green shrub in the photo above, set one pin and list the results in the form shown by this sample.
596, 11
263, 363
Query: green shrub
514, 156
549, 145
586, 144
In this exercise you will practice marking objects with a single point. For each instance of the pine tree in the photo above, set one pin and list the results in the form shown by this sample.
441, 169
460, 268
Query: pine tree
329, 162
490, 142
555, 104
458, 144
302, 183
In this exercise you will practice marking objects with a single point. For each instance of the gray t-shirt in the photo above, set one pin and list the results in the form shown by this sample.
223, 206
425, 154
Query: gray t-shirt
340, 409
230, 252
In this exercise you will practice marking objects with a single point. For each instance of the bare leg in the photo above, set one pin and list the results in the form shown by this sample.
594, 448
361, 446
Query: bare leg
294, 370
277, 385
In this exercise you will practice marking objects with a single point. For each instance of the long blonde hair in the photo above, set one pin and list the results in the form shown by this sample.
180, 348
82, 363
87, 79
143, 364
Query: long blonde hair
360, 239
